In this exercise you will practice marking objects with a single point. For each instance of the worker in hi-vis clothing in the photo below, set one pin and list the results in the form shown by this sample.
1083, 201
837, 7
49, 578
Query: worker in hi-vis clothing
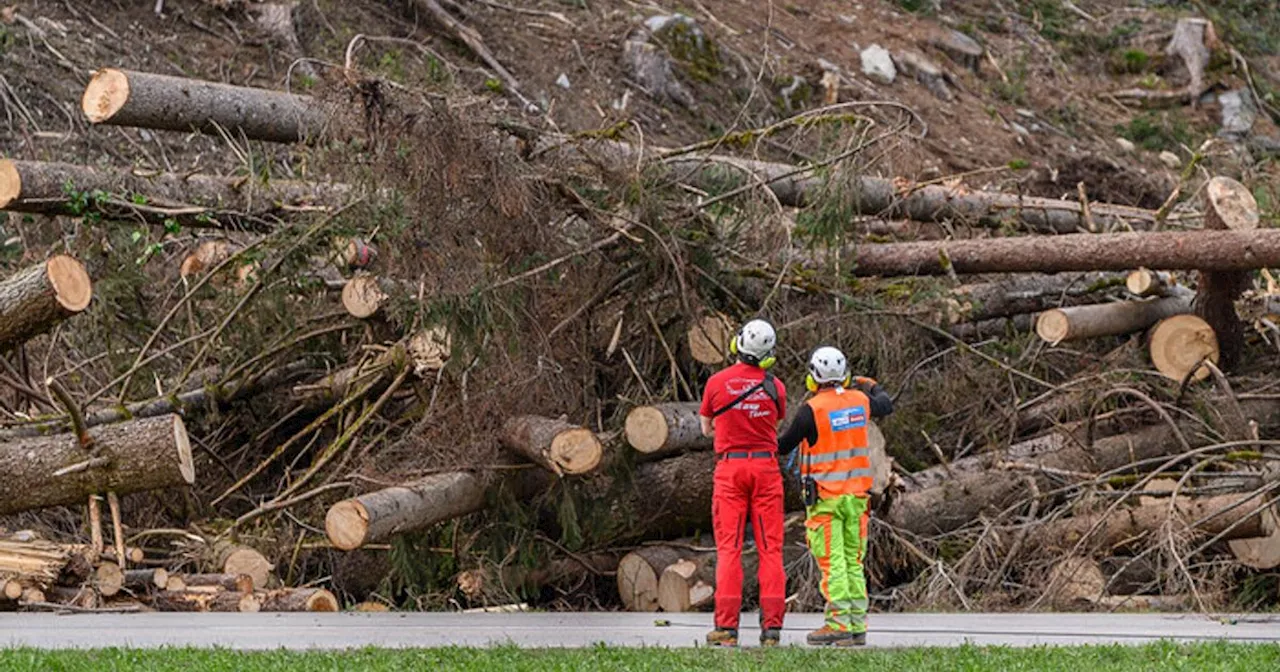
836, 479
741, 407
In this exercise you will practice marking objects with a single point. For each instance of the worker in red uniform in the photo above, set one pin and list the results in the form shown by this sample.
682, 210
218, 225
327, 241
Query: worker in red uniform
742, 406
836, 479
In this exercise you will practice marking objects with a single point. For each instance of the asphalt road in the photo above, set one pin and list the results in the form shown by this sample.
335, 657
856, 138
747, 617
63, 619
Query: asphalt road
537, 630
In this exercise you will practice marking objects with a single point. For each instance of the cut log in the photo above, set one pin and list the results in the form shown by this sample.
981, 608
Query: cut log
364, 296
146, 579
638, 573
175, 584
33, 595
1180, 344
146, 454
34, 562
689, 584
206, 255
83, 597
195, 200
1191, 41
868, 195
238, 560
1143, 283
12, 589
200, 601
379, 515
1173, 250
1022, 294
1108, 319
666, 498
666, 429
108, 579
709, 338
555, 445
144, 100
38, 297
1228, 206
1075, 581
301, 599
1261, 551
239, 583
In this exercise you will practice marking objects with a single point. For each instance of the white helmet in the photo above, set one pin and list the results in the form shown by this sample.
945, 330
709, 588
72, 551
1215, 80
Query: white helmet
828, 365
756, 339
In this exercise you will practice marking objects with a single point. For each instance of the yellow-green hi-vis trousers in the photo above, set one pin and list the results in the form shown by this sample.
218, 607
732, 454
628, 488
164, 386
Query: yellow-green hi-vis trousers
837, 532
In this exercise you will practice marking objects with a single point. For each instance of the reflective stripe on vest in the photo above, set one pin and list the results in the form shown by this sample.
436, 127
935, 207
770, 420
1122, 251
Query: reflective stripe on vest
840, 460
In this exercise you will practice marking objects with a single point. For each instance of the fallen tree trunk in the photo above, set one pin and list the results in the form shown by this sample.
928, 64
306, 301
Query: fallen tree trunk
666, 498
996, 327
299, 599
378, 372
1023, 294
195, 200
38, 297
1236, 516
1228, 206
1174, 250
201, 601
868, 195
1143, 283
515, 582
206, 397
379, 515
238, 583
138, 455
1108, 319
946, 498
554, 445
145, 580
666, 429
162, 102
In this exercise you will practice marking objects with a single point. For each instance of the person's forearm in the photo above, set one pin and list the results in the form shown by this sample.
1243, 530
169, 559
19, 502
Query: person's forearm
708, 426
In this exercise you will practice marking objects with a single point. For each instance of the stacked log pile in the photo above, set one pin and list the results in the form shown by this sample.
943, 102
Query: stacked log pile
525, 402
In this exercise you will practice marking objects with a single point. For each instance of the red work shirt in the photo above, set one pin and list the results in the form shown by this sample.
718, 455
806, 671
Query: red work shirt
753, 423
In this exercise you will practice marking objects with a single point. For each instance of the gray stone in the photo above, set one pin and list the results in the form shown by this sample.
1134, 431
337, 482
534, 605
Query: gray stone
960, 48
925, 71
562, 81
1171, 160
1125, 145
878, 64
1238, 114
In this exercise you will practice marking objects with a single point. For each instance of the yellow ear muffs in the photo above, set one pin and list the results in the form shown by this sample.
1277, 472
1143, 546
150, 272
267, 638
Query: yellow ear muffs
768, 362
733, 346
810, 384
848, 381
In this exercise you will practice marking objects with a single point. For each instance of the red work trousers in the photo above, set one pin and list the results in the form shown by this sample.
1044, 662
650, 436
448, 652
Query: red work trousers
748, 489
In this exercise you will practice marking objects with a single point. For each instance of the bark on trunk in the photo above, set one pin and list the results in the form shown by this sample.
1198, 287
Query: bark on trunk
301, 599
1108, 319
201, 601
128, 98
1127, 526
1228, 206
139, 580
147, 454
868, 195
197, 201
239, 583
666, 429
944, 499
1179, 345
667, 498
193, 401
1024, 294
333, 388
998, 327
379, 515
1174, 250
554, 445
38, 297
514, 582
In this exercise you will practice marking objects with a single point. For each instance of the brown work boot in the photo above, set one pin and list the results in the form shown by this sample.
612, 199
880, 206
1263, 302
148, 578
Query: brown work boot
828, 636
770, 637
723, 637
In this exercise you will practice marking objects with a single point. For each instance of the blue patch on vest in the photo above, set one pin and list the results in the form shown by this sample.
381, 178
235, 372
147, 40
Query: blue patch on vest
848, 418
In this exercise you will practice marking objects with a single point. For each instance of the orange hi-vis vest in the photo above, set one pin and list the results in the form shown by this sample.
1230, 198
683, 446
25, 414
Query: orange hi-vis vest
840, 462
